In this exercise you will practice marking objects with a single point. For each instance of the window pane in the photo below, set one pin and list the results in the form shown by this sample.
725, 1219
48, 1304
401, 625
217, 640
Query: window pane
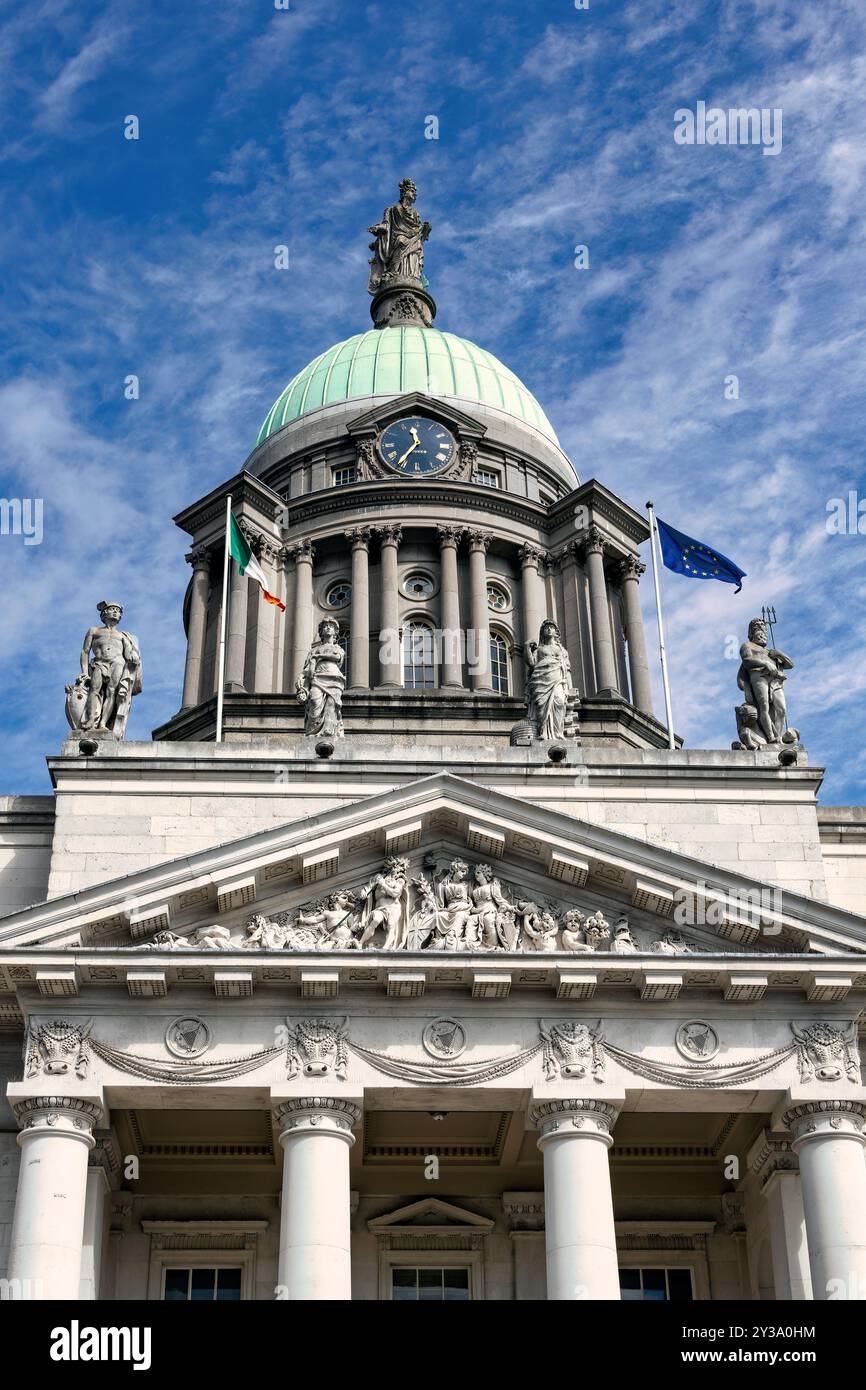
203, 1282
499, 663
629, 1284
654, 1285
430, 1285
680, 1285
228, 1285
176, 1285
456, 1285
404, 1285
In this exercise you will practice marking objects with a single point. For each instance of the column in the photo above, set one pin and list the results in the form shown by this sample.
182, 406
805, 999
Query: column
48, 1227
827, 1137
359, 634
93, 1238
390, 645
236, 632
303, 554
567, 560
315, 1220
641, 690
199, 558
268, 613
602, 642
579, 1230
532, 585
452, 636
478, 649
775, 1165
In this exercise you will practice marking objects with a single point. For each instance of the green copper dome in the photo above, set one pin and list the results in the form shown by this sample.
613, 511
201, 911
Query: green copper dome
389, 361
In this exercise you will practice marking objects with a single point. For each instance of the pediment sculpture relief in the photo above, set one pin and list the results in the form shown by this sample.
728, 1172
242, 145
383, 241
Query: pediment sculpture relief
448, 907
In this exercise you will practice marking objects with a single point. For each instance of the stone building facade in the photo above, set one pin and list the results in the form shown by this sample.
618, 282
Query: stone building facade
449, 1007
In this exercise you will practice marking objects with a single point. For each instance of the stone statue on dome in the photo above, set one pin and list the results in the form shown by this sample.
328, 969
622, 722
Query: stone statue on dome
398, 250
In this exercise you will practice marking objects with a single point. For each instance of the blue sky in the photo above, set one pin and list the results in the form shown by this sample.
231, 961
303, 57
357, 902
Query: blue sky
261, 126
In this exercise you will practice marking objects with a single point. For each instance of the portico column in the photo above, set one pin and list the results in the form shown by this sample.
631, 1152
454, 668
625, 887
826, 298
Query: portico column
199, 558
827, 1137
532, 585
452, 637
359, 635
602, 642
303, 554
315, 1237
390, 647
236, 636
478, 651
631, 570
98, 1188
579, 1229
48, 1227
267, 614
775, 1166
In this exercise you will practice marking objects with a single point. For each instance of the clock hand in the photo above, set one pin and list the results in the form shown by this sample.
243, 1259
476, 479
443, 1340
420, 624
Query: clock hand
402, 460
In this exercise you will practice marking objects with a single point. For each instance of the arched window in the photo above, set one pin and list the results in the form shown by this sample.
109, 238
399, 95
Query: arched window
500, 673
419, 663
344, 641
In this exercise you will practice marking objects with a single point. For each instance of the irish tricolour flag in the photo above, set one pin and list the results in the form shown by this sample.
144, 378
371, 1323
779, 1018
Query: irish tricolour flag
241, 550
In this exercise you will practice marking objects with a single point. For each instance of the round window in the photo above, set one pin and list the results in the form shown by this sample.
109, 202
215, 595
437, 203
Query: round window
339, 594
498, 598
418, 585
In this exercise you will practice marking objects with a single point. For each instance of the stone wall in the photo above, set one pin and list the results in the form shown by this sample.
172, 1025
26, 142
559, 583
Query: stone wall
26, 830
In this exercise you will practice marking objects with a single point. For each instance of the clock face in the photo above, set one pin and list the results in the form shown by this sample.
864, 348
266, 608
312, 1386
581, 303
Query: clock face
417, 447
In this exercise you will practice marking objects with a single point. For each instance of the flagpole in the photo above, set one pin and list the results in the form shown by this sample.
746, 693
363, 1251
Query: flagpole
222, 646
667, 689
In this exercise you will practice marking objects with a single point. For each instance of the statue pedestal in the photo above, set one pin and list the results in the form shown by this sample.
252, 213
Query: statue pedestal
402, 302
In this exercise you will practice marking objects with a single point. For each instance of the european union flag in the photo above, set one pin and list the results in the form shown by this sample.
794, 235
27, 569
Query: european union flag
695, 559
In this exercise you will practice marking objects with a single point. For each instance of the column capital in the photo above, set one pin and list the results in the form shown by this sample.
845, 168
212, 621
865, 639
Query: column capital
825, 1119
71, 1116
317, 1115
572, 1116
567, 554
449, 535
593, 541
200, 558
478, 540
631, 568
770, 1154
359, 537
302, 551
532, 555
391, 533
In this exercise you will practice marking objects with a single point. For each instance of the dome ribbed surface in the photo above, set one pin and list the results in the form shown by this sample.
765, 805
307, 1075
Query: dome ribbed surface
389, 361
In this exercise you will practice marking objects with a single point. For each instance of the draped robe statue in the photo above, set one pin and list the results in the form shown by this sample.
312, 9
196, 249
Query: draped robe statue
321, 683
398, 251
548, 682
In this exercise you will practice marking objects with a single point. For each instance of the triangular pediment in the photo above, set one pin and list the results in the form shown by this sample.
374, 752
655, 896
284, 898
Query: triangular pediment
415, 403
432, 1215
537, 854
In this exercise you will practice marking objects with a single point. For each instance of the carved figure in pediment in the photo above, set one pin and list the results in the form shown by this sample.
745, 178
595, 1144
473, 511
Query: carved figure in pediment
486, 928
213, 938
572, 1049
169, 941
623, 943
385, 902
542, 929
58, 1049
671, 943
597, 929
333, 920
573, 938
825, 1051
264, 934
